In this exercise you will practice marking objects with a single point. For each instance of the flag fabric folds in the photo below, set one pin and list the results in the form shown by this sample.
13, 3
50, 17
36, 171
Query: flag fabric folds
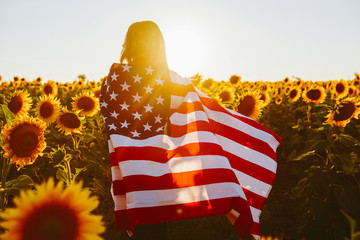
177, 154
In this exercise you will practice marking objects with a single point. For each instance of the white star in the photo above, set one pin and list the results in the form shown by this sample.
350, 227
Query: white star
148, 89
159, 100
126, 68
135, 134
137, 78
125, 87
136, 97
159, 81
104, 119
148, 108
149, 70
114, 114
105, 82
158, 119
114, 77
113, 96
124, 124
112, 127
160, 129
136, 115
107, 88
124, 106
103, 104
147, 127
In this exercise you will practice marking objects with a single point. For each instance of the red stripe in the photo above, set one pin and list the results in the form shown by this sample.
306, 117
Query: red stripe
251, 169
255, 228
254, 199
150, 215
118, 187
189, 107
179, 180
213, 105
243, 139
243, 226
179, 131
113, 160
162, 155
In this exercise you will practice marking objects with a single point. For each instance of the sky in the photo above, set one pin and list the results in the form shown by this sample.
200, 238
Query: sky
260, 40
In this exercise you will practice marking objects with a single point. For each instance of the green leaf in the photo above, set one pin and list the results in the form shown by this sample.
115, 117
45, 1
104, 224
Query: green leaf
348, 140
21, 182
303, 156
62, 174
5, 114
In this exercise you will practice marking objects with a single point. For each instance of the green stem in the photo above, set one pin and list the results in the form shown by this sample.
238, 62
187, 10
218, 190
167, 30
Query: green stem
4, 172
69, 171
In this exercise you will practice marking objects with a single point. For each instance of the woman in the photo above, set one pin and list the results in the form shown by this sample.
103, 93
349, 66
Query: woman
123, 95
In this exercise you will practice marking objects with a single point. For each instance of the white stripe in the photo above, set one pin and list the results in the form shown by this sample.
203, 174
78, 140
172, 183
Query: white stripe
255, 214
252, 184
182, 119
111, 147
247, 153
176, 101
233, 122
176, 78
174, 165
120, 202
116, 173
165, 197
164, 141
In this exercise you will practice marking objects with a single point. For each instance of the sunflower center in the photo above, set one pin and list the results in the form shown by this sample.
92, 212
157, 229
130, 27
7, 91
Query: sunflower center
24, 140
86, 103
313, 94
340, 88
70, 120
48, 89
97, 93
207, 83
247, 106
225, 96
293, 93
51, 222
46, 110
345, 111
351, 91
15, 104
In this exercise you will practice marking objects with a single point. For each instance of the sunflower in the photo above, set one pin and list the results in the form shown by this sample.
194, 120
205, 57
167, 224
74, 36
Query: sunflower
48, 108
344, 112
16, 79
286, 80
278, 100
250, 105
294, 94
97, 92
53, 213
340, 89
352, 91
38, 80
86, 103
20, 103
68, 122
235, 79
24, 140
314, 94
50, 88
207, 83
227, 95
265, 98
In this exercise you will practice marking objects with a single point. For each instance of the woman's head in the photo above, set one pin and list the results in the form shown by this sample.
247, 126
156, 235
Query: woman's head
144, 44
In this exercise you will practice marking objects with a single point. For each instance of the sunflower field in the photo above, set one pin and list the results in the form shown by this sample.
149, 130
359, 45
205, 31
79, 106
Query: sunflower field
55, 168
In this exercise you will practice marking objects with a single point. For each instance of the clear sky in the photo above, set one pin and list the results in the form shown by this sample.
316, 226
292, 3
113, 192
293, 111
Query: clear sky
256, 39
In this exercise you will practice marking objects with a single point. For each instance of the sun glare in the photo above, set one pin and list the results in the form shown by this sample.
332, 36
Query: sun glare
187, 47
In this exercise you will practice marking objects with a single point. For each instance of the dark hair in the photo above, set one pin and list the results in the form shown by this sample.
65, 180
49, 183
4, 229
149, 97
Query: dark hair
144, 44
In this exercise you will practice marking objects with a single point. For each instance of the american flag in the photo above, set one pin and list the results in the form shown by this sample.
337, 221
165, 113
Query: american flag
177, 154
